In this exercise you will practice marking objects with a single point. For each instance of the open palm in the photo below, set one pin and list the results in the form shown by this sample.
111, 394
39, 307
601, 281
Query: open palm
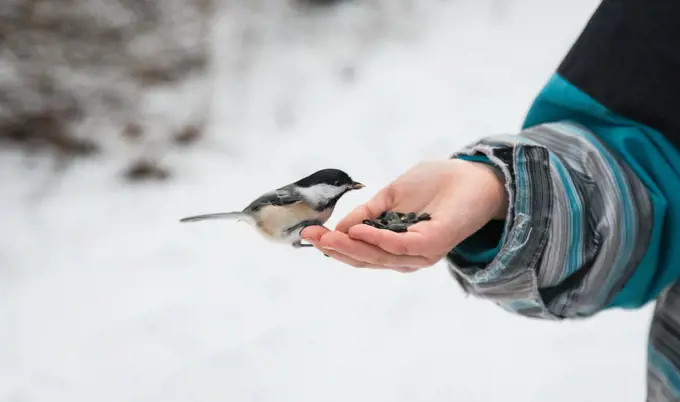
460, 196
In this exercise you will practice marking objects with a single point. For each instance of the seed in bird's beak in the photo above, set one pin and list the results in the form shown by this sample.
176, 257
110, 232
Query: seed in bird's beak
357, 186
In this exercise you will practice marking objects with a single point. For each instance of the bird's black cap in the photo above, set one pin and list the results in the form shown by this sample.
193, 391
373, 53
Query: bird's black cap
333, 177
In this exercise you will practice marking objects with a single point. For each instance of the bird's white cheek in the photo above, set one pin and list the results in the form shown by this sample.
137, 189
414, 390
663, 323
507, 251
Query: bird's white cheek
320, 193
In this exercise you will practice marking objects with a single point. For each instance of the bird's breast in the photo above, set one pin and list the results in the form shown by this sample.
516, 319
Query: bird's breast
272, 220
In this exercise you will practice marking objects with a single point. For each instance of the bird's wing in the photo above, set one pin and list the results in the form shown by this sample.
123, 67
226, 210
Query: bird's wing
278, 197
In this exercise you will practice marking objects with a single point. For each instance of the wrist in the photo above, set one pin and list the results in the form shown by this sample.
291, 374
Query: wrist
497, 193
492, 184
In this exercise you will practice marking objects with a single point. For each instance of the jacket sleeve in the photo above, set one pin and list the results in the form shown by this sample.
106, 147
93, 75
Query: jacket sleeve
578, 225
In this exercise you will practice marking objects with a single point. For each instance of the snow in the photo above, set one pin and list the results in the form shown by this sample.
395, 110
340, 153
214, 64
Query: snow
104, 296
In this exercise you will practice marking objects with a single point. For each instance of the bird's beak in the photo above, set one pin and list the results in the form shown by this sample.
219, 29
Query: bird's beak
357, 186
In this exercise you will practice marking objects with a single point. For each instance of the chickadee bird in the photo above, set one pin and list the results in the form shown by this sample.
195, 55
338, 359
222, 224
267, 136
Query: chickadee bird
280, 215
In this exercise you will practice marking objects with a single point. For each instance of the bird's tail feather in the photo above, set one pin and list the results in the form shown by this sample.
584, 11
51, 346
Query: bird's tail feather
235, 215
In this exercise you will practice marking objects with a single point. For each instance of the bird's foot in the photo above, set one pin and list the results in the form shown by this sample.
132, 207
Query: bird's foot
299, 244
303, 224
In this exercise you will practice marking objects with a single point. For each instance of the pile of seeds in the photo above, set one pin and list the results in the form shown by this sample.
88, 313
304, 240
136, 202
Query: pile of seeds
397, 221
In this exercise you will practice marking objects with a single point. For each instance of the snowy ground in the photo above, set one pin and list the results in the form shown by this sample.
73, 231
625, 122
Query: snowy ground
105, 297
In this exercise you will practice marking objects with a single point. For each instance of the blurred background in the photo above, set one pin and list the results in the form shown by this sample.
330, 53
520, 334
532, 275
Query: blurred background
118, 117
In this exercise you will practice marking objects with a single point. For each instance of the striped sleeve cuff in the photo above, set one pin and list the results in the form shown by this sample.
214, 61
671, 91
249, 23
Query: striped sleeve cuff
578, 223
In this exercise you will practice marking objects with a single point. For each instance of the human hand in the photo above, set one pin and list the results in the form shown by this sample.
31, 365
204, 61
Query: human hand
460, 196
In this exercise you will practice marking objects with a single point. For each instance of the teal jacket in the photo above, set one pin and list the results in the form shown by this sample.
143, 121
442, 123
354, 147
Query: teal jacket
593, 176
593, 180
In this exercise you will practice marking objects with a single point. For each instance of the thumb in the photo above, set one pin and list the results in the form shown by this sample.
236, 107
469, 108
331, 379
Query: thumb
380, 202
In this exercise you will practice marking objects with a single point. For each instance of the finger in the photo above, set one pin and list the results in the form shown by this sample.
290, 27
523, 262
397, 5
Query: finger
313, 233
405, 270
368, 253
349, 260
372, 209
359, 264
357, 216
401, 244
362, 264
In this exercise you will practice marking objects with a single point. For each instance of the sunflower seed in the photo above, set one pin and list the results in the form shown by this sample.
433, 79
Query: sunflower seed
397, 221
397, 227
